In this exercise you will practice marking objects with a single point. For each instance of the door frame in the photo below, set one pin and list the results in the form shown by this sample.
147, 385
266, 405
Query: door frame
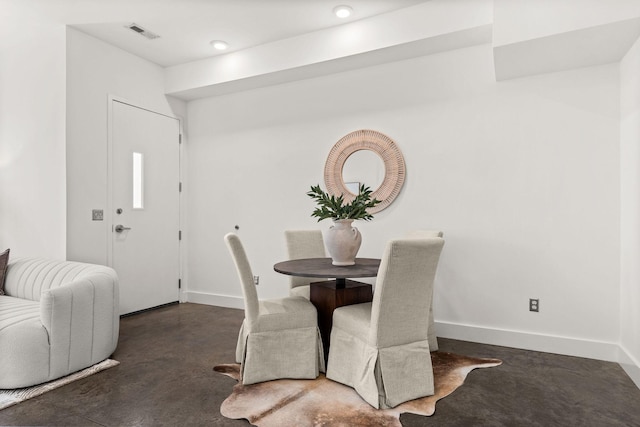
110, 163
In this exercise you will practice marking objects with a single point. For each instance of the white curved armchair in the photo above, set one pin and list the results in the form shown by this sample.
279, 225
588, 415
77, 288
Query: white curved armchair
381, 349
279, 338
57, 317
303, 244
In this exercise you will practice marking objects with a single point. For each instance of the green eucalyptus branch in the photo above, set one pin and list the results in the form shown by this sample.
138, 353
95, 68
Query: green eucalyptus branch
330, 206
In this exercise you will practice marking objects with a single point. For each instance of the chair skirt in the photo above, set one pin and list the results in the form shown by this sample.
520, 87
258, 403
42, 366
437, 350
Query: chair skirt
383, 377
271, 355
433, 339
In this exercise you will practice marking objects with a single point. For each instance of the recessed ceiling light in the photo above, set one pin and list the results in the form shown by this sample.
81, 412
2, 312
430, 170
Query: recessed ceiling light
219, 44
343, 11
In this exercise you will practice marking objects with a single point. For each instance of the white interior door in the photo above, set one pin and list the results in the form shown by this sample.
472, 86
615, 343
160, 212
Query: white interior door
145, 206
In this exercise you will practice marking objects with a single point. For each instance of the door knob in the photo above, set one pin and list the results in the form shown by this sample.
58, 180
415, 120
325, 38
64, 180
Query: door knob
120, 228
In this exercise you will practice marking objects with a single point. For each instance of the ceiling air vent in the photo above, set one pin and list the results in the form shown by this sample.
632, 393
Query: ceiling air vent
146, 33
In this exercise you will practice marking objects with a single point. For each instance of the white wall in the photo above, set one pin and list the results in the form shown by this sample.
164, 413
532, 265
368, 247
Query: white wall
32, 134
522, 177
630, 209
96, 70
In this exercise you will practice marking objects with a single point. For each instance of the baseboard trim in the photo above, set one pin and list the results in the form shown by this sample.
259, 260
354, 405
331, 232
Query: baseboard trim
214, 299
133, 313
633, 371
630, 366
590, 349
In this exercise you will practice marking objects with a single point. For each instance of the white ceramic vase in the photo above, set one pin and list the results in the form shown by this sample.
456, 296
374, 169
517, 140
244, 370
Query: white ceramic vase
343, 242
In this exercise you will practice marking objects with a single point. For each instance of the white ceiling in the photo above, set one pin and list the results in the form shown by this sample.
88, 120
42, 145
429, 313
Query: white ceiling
186, 27
394, 29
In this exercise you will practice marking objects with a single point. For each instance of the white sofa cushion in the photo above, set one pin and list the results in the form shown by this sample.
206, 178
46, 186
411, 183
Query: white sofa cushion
24, 342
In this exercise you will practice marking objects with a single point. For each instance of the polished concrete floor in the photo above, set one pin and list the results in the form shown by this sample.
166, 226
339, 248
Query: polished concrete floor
165, 378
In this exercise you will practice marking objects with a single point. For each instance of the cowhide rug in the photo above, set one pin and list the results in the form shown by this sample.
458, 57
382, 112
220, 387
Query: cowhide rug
322, 402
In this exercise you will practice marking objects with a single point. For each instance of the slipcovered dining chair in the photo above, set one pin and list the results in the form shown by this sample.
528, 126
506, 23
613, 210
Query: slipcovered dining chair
303, 244
381, 348
279, 338
420, 234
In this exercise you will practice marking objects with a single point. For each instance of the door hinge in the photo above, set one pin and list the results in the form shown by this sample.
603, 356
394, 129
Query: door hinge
179, 283
180, 187
179, 138
179, 234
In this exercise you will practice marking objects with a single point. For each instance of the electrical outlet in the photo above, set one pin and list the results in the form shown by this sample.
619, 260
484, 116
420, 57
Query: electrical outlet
256, 280
534, 305
97, 214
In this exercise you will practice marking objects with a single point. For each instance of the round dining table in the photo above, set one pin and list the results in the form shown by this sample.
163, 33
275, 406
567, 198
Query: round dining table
323, 268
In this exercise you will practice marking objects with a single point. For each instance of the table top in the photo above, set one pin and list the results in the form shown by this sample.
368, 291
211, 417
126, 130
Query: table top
322, 267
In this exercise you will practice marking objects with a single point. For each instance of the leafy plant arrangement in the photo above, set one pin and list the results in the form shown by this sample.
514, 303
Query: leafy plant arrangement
330, 206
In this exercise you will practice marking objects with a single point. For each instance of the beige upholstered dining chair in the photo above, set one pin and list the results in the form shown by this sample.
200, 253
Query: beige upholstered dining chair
303, 244
381, 348
279, 338
420, 234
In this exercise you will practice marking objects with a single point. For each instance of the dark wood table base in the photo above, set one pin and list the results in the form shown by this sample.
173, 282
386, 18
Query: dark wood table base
328, 295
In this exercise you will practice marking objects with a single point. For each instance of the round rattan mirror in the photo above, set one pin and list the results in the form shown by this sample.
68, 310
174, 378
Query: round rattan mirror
380, 144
